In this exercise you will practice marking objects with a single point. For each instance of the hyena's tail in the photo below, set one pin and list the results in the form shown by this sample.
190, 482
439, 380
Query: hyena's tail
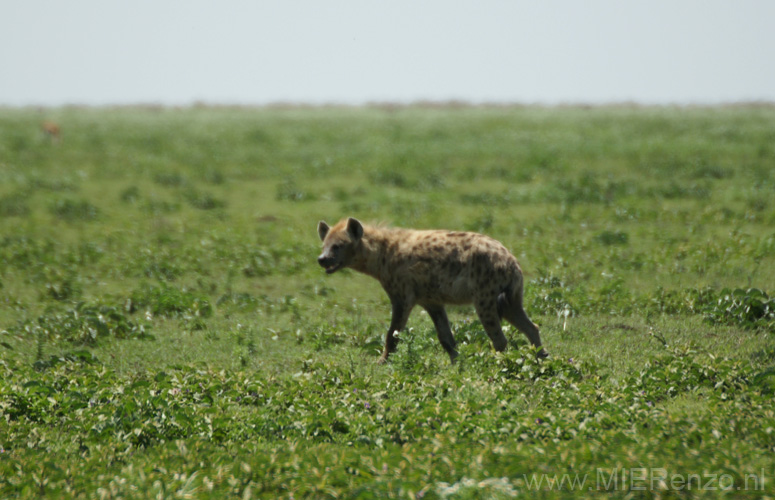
503, 303
510, 297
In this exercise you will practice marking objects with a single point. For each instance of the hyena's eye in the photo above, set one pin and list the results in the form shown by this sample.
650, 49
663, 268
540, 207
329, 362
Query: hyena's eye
336, 247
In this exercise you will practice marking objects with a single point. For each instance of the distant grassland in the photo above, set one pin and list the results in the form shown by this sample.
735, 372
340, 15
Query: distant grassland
165, 329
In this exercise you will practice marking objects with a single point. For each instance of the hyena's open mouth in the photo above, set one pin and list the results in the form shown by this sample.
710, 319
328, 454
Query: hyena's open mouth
329, 265
333, 268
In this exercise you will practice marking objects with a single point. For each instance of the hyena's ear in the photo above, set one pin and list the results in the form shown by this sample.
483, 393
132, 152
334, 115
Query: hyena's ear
322, 230
354, 229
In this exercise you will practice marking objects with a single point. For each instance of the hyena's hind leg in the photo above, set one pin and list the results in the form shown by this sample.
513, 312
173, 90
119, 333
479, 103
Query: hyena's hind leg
491, 321
510, 308
439, 316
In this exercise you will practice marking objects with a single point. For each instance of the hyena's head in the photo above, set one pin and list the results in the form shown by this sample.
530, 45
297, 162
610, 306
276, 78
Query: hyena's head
340, 243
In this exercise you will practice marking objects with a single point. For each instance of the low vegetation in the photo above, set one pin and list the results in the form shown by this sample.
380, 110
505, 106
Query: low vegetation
166, 332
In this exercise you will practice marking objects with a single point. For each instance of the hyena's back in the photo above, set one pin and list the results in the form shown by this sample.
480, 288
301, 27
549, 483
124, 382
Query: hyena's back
446, 267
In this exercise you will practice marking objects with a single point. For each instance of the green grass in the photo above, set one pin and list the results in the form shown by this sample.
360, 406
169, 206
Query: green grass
165, 331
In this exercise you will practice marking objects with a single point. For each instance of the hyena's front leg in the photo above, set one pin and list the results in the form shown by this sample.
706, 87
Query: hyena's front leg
401, 310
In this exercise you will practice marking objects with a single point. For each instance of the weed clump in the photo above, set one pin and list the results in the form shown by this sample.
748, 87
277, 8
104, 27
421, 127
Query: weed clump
170, 302
549, 295
289, 190
523, 364
74, 210
749, 308
609, 238
65, 288
130, 194
203, 201
14, 205
682, 369
170, 179
85, 324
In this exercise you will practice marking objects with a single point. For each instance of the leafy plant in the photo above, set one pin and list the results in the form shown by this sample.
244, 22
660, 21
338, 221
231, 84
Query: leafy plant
14, 205
64, 288
86, 323
290, 191
203, 200
523, 364
550, 296
74, 210
683, 370
169, 301
749, 308
130, 194
609, 238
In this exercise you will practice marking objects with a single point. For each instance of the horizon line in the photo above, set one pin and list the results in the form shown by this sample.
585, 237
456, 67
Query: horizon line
390, 105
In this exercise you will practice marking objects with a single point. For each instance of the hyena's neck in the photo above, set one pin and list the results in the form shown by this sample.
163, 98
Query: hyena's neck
374, 244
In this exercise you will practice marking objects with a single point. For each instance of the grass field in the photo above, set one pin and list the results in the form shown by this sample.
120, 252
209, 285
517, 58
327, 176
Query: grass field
166, 332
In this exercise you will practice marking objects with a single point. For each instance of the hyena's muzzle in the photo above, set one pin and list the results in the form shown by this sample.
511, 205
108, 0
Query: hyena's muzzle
331, 263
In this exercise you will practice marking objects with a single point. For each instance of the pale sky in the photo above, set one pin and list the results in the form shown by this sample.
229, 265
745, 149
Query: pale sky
99, 52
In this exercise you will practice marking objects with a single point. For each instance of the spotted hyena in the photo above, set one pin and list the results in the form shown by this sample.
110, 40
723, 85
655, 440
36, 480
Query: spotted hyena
431, 269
